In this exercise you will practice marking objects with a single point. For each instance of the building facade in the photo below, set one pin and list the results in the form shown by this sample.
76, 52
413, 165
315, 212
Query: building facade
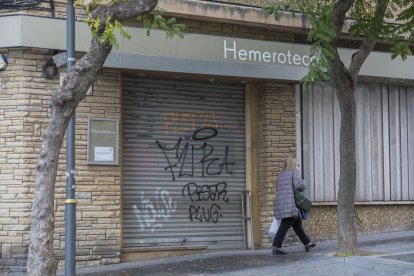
179, 141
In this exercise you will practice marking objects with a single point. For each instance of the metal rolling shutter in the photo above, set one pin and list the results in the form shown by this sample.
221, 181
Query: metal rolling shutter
183, 163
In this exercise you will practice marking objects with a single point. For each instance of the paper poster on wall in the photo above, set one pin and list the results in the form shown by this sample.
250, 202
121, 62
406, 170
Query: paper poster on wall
102, 148
104, 154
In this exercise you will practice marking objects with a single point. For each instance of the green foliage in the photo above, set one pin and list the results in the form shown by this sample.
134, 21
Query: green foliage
320, 36
93, 23
108, 34
395, 25
151, 21
276, 9
157, 21
400, 48
345, 254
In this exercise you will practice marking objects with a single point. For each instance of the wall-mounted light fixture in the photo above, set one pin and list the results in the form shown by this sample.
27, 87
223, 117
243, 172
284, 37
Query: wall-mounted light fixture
50, 69
60, 59
3, 62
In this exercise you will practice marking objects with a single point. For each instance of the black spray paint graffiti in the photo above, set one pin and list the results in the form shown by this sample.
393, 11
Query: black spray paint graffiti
209, 165
205, 199
205, 214
214, 192
196, 193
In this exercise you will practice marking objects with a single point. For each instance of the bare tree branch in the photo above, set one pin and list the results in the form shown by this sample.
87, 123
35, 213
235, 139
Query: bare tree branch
359, 57
123, 10
339, 13
340, 10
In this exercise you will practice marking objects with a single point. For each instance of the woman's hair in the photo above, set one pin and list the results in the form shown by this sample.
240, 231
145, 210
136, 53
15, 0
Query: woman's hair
290, 163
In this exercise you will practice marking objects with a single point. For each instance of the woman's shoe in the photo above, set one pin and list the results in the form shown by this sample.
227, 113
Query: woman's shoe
309, 246
278, 251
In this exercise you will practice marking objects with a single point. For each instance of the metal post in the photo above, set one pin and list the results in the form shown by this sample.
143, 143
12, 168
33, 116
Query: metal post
70, 202
244, 219
251, 220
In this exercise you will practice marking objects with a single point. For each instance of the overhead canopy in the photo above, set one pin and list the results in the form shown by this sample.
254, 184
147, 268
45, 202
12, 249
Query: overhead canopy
195, 53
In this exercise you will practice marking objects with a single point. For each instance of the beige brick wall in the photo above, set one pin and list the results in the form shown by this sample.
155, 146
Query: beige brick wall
21, 111
276, 140
98, 188
24, 97
45, 9
234, 30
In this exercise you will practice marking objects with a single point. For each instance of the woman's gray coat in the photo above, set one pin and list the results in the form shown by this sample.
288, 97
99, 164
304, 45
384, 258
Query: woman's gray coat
284, 205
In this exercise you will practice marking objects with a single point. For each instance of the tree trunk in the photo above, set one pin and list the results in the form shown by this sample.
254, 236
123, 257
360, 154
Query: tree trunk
345, 90
41, 261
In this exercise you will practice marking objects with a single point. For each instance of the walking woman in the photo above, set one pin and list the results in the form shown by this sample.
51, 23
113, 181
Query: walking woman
284, 207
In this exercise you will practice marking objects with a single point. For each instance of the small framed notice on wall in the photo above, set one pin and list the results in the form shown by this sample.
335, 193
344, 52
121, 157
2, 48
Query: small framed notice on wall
103, 141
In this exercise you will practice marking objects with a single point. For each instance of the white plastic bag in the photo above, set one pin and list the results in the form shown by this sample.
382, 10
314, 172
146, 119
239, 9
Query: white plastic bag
273, 228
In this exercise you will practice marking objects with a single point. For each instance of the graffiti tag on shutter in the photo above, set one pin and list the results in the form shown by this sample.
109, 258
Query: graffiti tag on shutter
205, 199
151, 213
189, 121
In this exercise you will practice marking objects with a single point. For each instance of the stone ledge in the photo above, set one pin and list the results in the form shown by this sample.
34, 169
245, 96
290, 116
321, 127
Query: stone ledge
232, 13
157, 252
164, 248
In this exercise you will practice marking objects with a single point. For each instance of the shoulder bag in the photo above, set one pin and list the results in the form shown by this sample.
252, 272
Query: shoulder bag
301, 200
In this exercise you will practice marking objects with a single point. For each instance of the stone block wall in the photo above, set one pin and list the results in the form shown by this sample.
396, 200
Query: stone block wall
98, 188
45, 9
23, 113
24, 95
276, 131
322, 221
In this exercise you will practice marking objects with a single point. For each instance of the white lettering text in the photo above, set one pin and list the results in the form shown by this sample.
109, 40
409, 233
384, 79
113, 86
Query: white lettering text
253, 55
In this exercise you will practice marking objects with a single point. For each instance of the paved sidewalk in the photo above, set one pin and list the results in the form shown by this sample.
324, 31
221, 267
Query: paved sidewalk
387, 254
